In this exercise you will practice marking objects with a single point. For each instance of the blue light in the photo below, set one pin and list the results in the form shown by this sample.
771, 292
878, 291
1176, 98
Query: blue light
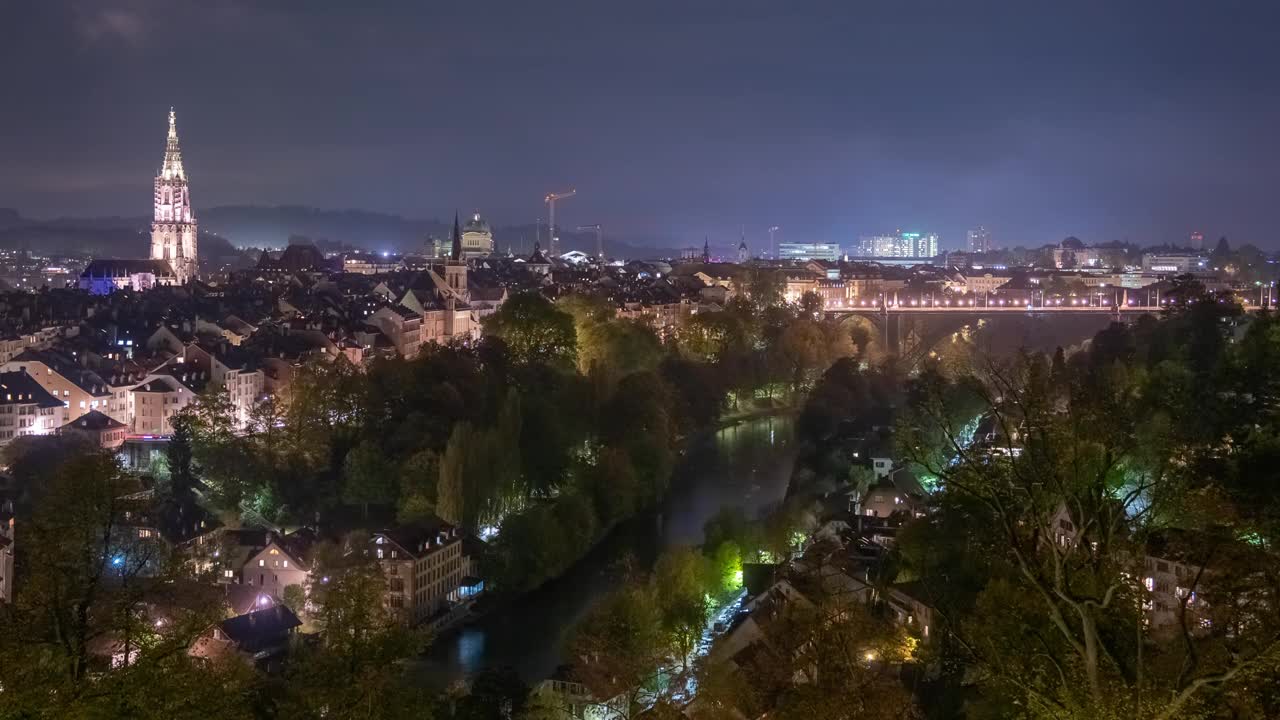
117, 561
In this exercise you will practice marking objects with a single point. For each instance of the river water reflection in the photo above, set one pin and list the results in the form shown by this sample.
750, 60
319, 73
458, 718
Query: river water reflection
747, 466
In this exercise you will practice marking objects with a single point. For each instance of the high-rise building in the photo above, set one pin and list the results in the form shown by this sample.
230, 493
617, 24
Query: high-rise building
1197, 240
980, 240
899, 245
173, 228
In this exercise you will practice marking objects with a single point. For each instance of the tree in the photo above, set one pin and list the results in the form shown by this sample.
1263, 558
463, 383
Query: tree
367, 477
682, 579
810, 305
419, 477
619, 650
1222, 251
1098, 460
295, 598
209, 450
182, 478
834, 659
764, 288
535, 331
450, 491
495, 694
612, 486
356, 670
88, 584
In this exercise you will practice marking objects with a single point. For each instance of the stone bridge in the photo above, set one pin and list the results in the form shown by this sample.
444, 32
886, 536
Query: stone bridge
912, 333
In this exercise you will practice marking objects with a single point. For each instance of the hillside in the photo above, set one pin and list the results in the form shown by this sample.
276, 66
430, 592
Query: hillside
263, 226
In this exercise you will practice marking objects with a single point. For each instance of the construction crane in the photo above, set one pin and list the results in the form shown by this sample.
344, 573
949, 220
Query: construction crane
773, 249
551, 200
599, 238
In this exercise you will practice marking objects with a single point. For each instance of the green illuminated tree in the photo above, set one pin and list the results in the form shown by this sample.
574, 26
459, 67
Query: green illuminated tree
535, 331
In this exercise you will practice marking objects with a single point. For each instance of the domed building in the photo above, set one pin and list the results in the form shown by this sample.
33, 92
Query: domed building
477, 238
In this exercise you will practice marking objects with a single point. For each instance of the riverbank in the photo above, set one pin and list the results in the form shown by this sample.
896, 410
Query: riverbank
763, 411
492, 603
746, 465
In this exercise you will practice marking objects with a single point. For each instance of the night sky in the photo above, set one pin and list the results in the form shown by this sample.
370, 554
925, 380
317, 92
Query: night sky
1106, 120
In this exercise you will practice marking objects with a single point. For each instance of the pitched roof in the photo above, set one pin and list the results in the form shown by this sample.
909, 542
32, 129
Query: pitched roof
260, 628
420, 538
19, 388
95, 420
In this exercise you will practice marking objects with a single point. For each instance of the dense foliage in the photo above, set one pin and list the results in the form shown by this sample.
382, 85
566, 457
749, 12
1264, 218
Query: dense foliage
1153, 446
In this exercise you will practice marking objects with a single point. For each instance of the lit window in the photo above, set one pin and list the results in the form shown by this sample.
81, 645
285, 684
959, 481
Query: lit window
286, 563
262, 563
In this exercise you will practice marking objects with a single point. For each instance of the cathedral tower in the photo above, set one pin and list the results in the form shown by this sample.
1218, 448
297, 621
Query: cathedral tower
455, 268
173, 229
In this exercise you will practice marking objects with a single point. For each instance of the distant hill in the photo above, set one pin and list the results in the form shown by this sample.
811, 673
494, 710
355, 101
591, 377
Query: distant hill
100, 237
272, 227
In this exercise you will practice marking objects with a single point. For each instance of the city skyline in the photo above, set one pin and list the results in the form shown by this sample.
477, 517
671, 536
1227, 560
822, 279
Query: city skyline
1062, 122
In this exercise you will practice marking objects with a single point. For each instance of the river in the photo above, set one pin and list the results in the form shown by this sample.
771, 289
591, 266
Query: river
747, 465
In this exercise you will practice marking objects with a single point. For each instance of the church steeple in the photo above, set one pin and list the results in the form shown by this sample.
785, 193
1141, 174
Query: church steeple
172, 168
173, 226
456, 251
706, 249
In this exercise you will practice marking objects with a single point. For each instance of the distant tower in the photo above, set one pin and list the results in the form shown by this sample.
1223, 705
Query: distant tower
706, 250
743, 253
173, 229
455, 268
1197, 240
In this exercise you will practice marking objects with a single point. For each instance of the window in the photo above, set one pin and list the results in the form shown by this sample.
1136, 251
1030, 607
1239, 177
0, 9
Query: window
229, 573
286, 563
262, 563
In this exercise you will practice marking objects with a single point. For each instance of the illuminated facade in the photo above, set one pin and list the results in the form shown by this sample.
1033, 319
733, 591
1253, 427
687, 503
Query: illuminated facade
809, 251
980, 240
173, 228
899, 245
477, 238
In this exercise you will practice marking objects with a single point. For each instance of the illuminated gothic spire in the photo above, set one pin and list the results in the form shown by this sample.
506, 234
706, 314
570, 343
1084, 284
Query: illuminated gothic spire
172, 168
456, 253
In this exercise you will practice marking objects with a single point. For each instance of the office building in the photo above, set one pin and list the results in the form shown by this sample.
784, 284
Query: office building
809, 251
899, 245
1171, 263
1197, 240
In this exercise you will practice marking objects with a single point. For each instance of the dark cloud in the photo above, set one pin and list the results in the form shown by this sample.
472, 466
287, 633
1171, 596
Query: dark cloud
830, 118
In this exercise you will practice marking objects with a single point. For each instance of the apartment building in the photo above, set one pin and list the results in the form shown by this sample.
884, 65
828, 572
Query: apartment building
425, 567
26, 408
